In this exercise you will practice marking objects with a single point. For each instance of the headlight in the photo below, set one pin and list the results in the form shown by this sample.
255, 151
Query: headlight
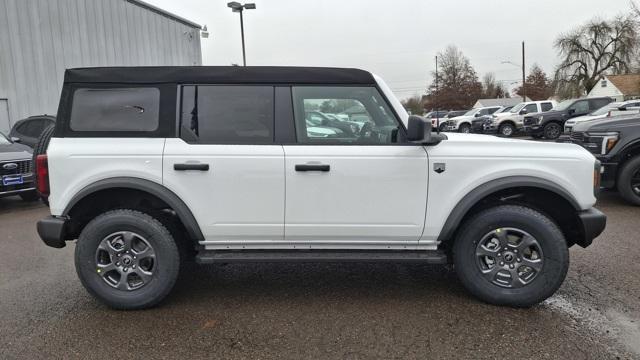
602, 141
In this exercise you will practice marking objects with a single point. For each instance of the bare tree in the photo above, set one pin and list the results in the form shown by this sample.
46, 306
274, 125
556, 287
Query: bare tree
593, 50
414, 104
491, 88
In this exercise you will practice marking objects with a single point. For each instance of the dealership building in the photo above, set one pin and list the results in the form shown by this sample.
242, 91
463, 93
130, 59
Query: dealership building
41, 38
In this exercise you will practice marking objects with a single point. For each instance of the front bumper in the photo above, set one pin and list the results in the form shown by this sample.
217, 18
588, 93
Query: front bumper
52, 231
27, 185
533, 129
592, 224
608, 172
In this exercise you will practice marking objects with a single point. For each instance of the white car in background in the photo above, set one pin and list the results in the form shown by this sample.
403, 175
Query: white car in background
612, 109
463, 123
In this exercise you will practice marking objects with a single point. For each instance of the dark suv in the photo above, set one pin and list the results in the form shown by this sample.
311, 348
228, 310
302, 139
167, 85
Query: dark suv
551, 123
615, 142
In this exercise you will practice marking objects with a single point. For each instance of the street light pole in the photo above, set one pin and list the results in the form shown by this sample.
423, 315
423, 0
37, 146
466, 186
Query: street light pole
244, 55
524, 84
239, 8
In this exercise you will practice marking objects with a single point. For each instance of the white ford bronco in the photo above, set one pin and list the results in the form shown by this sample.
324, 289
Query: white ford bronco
149, 168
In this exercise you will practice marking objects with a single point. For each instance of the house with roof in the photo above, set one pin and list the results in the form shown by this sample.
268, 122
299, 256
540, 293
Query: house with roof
617, 87
498, 102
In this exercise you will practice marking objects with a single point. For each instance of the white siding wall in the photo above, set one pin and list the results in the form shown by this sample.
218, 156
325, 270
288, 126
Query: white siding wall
610, 90
41, 38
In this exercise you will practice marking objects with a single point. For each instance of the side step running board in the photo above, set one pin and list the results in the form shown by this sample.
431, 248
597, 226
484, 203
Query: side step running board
228, 256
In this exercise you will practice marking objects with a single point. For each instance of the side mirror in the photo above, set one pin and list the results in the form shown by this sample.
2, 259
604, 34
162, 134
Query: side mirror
523, 112
476, 115
417, 129
16, 139
572, 111
622, 108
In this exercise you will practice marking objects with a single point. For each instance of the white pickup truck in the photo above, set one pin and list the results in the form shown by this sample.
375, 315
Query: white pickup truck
150, 167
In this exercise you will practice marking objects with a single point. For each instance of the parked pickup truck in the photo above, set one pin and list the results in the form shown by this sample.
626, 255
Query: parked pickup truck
510, 123
615, 142
609, 110
463, 123
229, 173
550, 124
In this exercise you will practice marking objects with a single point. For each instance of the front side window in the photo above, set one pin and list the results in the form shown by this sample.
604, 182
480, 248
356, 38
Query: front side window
531, 108
492, 110
115, 109
580, 107
213, 114
343, 115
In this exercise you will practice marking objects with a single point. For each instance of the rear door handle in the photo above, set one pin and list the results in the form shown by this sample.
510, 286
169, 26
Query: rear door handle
313, 167
188, 166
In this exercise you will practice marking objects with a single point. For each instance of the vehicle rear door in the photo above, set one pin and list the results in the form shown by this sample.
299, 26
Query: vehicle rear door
365, 187
225, 165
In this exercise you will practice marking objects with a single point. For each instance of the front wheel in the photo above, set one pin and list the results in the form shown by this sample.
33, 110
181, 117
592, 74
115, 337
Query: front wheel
552, 131
127, 259
465, 128
511, 255
507, 130
629, 181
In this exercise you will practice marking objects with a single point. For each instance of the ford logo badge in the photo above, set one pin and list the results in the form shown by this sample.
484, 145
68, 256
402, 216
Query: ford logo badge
10, 166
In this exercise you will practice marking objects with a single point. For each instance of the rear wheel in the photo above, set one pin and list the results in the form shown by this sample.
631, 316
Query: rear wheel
507, 130
552, 131
511, 255
629, 181
464, 128
127, 259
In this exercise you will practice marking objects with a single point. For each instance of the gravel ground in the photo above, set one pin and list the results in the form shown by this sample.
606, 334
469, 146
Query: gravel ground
309, 311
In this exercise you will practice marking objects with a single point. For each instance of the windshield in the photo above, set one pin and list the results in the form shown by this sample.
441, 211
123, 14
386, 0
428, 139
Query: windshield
605, 109
564, 105
517, 108
471, 112
4, 140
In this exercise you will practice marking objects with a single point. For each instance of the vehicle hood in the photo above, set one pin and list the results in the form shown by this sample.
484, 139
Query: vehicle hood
488, 146
584, 118
14, 152
614, 123
462, 118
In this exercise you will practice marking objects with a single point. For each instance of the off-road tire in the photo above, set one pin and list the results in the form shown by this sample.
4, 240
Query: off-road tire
41, 148
630, 169
510, 129
167, 259
552, 131
538, 225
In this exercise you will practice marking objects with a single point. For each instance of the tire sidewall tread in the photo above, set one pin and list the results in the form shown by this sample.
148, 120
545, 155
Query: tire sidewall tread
548, 235
167, 259
624, 180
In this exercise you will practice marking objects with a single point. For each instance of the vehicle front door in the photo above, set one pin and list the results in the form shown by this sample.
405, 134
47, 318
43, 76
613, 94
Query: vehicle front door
361, 188
226, 167
579, 108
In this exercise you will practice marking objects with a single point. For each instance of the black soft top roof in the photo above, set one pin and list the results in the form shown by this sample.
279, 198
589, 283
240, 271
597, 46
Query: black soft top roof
219, 75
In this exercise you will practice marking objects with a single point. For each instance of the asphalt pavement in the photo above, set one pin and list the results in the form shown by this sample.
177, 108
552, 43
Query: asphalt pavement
313, 311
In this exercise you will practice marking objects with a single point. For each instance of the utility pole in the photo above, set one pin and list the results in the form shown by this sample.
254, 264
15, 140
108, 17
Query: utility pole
239, 8
524, 85
436, 100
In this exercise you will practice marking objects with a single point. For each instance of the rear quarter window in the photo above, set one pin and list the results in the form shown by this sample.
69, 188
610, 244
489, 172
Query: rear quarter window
115, 110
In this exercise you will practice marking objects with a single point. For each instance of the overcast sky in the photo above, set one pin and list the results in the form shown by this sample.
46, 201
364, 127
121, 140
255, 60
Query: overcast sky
396, 39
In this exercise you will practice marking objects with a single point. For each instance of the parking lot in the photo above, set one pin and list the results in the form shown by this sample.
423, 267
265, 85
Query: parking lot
351, 311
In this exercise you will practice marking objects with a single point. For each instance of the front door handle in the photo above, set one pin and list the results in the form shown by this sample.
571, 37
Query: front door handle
190, 166
313, 167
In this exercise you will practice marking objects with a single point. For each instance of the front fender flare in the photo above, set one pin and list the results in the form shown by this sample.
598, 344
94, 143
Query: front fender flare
472, 198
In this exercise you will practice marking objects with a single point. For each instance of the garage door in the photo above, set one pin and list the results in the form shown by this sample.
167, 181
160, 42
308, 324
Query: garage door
5, 126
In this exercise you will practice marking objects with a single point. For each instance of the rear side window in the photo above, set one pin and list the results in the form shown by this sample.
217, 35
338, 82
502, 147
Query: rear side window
547, 106
213, 114
115, 109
